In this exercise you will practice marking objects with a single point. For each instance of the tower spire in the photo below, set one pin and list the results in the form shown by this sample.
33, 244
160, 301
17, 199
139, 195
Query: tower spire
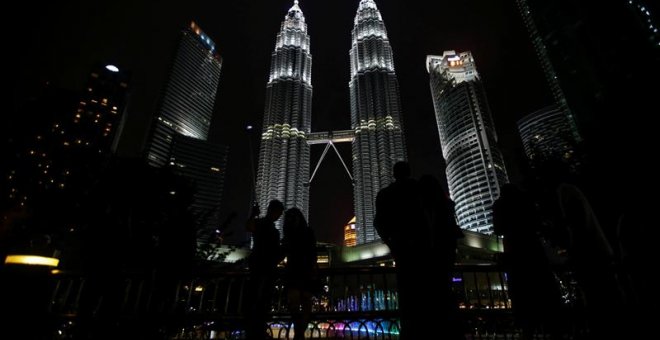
295, 6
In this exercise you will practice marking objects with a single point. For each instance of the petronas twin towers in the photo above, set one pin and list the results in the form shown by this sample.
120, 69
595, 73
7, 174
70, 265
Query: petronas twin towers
376, 130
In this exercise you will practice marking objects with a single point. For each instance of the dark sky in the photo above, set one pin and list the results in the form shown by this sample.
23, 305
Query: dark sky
59, 42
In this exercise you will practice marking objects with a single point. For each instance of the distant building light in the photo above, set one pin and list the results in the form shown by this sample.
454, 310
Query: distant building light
456, 279
172, 192
199, 289
112, 68
215, 169
32, 260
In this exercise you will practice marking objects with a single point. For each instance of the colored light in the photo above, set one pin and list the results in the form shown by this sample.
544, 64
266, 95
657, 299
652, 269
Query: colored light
32, 260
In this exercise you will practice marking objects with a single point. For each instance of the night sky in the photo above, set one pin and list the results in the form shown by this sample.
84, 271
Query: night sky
60, 42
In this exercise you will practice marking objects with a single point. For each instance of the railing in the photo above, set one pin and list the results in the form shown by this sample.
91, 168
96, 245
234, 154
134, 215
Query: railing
354, 303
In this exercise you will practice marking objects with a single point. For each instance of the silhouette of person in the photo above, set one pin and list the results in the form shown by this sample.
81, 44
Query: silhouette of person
266, 254
591, 256
299, 245
400, 223
534, 293
443, 233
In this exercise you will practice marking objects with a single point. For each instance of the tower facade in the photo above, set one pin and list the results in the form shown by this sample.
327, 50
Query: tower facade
548, 68
546, 135
475, 168
204, 165
283, 171
180, 129
186, 105
375, 115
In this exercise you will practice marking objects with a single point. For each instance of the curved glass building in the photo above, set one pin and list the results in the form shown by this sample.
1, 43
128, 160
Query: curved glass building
283, 171
375, 115
546, 134
186, 105
475, 168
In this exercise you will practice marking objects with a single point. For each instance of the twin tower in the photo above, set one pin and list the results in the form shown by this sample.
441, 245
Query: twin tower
376, 124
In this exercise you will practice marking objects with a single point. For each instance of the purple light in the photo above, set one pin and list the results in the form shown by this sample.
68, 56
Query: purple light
456, 279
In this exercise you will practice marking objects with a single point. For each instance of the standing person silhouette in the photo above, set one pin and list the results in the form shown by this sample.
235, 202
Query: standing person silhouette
515, 219
266, 254
443, 233
591, 257
299, 245
400, 224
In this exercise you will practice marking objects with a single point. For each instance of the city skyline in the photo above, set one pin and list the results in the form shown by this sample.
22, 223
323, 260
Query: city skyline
246, 54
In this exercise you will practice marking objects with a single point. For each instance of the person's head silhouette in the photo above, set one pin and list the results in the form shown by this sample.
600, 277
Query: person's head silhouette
401, 171
275, 210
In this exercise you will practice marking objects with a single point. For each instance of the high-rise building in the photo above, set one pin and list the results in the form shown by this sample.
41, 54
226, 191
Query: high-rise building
546, 135
350, 237
375, 115
71, 137
100, 115
580, 52
204, 164
548, 69
181, 125
283, 171
186, 105
475, 168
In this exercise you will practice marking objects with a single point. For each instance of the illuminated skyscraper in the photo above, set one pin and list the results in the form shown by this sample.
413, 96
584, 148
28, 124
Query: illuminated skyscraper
375, 115
475, 168
187, 103
283, 172
181, 125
